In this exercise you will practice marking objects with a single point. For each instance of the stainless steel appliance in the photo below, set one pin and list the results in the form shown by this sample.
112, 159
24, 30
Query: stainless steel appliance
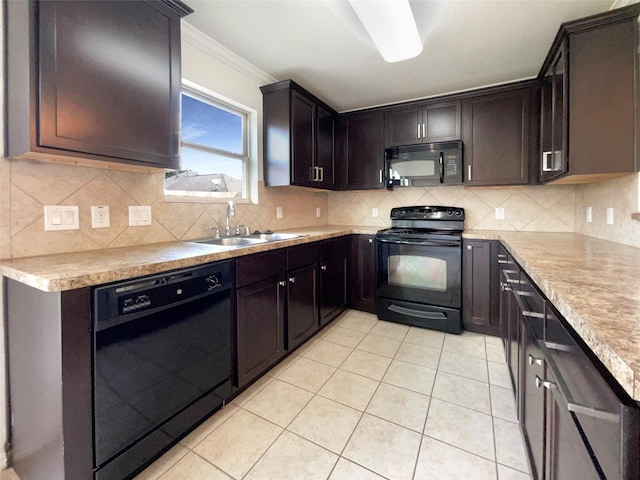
424, 165
161, 362
420, 268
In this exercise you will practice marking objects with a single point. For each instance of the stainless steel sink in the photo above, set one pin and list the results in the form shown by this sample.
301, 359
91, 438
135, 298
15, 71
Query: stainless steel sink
232, 241
274, 237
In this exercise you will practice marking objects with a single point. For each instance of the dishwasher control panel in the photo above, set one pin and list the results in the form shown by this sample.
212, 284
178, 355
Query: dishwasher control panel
116, 303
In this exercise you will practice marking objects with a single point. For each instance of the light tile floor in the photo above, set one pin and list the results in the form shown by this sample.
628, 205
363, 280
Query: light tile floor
364, 400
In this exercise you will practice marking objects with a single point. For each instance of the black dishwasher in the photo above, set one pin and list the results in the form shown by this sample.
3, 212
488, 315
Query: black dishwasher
161, 362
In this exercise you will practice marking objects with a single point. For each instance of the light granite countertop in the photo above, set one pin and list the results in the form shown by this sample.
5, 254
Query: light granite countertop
592, 283
67, 271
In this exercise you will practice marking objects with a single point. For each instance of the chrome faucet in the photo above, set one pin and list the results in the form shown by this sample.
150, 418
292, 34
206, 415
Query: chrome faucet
231, 212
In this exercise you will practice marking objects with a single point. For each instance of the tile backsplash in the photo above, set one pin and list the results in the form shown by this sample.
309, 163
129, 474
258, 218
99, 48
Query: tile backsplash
531, 208
26, 186
620, 193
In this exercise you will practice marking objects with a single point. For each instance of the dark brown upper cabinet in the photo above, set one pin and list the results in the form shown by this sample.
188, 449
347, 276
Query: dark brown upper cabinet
299, 137
362, 159
500, 135
589, 95
95, 80
437, 122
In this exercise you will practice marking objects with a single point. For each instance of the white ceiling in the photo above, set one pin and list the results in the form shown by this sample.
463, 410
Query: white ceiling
321, 44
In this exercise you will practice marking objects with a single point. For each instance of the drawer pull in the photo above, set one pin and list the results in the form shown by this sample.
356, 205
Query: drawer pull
592, 412
503, 261
545, 384
537, 361
323, 268
282, 283
292, 279
533, 314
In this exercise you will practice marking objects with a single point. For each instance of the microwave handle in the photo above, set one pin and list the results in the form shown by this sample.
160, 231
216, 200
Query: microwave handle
441, 167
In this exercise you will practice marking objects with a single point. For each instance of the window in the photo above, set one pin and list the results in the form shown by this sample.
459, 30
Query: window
214, 151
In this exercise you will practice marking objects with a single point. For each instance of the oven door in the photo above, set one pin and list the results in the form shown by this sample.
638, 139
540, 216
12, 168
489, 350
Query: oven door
420, 271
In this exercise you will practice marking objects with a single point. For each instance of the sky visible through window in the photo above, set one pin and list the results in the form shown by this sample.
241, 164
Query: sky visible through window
210, 126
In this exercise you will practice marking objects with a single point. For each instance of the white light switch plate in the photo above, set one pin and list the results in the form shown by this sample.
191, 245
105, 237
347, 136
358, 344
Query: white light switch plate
139, 216
278, 212
61, 217
318, 212
589, 214
499, 213
374, 212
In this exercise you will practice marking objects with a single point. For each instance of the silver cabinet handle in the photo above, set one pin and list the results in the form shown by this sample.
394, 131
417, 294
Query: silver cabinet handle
323, 268
282, 283
381, 176
502, 261
545, 384
371, 240
501, 255
469, 247
469, 172
424, 132
418, 130
505, 287
533, 314
312, 174
537, 361
292, 279
321, 174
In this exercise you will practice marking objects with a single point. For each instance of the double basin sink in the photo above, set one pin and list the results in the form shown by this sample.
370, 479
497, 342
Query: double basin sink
248, 240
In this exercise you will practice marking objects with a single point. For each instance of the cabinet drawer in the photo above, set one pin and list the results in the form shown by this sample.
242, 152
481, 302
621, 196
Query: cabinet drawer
605, 413
260, 266
335, 247
302, 255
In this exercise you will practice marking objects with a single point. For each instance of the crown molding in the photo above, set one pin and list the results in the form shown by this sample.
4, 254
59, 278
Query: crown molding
195, 37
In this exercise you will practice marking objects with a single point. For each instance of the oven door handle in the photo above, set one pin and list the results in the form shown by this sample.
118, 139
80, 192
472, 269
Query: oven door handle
417, 313
441, 167
432, 243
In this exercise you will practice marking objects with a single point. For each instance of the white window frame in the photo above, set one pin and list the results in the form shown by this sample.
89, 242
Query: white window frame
218, 101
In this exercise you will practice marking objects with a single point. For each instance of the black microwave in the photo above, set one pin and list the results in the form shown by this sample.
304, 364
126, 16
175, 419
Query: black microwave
424, 165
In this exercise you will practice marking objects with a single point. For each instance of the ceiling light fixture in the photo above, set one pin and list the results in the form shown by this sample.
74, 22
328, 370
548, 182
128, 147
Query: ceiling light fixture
391, 26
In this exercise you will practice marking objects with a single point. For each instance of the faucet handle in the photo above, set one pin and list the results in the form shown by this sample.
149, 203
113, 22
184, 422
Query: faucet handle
247, 231
216, 233
238, 229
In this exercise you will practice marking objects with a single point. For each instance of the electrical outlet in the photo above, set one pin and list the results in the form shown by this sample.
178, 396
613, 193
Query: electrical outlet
278, 212
610, 216
589, 214
374, 212
100, 217
499, 213
61, 217
139, 215
318, 212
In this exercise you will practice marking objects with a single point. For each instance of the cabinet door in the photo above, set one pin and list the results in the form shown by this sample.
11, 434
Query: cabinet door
441, 122
480, 287
302, 306
110, 80
532, 400
566, 454
260, 327
364, 151
496, 135
403, 126
333, 278
602, 85
325, 153
362, 286
303, 139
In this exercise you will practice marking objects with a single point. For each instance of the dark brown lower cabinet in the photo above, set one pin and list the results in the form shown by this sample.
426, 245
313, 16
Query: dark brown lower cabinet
302, 293
260, 313
532, 399
362, 273
576, 420
333, 278
50, 382
260, 326
480, 286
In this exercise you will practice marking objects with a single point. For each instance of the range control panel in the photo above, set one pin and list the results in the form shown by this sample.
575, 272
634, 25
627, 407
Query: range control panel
427, 213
